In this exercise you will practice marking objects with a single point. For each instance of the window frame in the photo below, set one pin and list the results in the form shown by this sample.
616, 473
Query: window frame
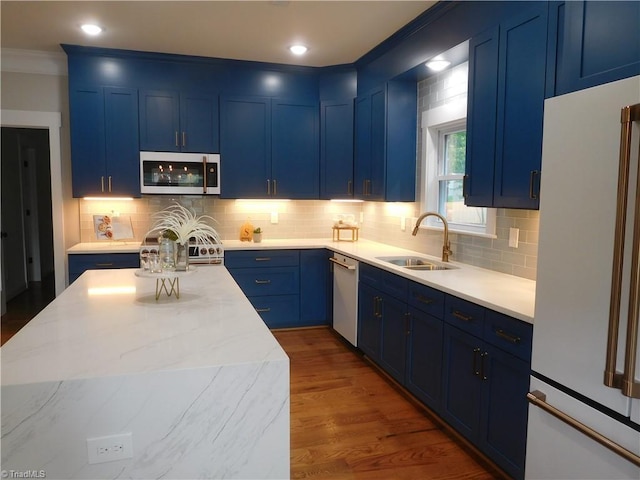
437, 122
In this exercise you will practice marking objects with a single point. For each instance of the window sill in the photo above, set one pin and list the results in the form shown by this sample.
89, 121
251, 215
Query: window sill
460, 231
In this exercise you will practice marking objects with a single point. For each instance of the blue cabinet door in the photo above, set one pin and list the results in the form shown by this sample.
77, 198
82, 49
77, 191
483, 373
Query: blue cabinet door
601, 44
395, 329
86, 108
521, 93
507, 81
122, 145
369, 321
199, 123
362, 161
462, 386
505, 409
375, 186
295, 158
315, 287
424, 371
159, 121
336, 149
481, 118
245, 146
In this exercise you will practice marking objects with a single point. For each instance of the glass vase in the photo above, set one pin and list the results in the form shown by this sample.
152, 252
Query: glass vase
166, 252
182, 257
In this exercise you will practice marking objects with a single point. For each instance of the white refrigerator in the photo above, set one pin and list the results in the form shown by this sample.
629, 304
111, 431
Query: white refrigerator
580, 428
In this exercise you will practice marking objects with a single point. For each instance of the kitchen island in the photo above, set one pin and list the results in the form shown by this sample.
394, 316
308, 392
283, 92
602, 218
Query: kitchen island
198, 384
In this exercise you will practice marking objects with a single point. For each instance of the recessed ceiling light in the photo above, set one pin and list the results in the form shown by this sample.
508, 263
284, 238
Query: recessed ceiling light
298, 49
437, 64
91, 29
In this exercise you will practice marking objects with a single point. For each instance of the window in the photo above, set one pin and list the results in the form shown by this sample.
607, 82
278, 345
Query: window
444, 140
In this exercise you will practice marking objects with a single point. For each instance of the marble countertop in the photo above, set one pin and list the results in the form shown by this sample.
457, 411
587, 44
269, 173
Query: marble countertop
508, 294
108, 323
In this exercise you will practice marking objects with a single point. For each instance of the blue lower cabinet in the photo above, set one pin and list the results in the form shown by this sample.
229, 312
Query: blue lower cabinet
505, 410
468, 364
288, 288
278, 311
484, 396
425, 365
395, 331
369, 321
79, 263
316, 287
462, 382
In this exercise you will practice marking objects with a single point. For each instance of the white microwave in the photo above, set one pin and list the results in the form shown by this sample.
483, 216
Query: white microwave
180, 173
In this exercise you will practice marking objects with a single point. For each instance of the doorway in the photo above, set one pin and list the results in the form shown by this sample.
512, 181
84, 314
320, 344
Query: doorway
28, 275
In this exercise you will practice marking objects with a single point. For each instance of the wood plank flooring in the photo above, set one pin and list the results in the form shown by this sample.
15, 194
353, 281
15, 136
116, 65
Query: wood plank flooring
349, 422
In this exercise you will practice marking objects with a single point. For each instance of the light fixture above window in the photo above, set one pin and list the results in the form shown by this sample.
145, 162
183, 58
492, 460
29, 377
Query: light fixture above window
91, 29
437, 64
298, 49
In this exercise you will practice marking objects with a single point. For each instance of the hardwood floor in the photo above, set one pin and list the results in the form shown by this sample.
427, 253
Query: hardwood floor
25, 306
349, 422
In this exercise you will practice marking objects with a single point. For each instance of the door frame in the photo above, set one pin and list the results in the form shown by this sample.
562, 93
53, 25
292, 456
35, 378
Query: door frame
51, 121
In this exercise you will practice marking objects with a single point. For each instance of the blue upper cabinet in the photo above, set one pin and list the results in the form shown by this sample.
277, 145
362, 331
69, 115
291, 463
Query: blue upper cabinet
295, 160
507, 82
104, 141
599, 42
385, 143
178, 122
269, 148
245, 146
336, 149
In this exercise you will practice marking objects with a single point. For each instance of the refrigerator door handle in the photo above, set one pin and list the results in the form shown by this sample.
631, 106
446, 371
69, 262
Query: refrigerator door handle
539, 399
624, 381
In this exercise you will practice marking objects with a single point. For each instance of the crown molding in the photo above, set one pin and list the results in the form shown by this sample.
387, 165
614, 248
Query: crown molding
33, 61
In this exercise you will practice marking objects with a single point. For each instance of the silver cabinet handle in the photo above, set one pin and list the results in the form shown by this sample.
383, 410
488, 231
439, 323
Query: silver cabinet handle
350, 187
102, 183
275, 187
268, 187
184, 139
109, 183
262, 259
262, 282
539, 399
263, 310
177, 143
476, 370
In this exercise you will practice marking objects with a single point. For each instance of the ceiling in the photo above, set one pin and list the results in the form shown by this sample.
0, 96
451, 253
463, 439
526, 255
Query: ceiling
336, 32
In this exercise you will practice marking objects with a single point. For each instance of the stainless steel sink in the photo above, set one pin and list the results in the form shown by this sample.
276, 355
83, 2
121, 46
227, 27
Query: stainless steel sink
416, 263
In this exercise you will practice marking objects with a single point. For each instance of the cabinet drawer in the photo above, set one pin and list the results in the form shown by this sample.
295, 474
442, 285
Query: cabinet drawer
261, 258
267, 281
509, 334
78, 263
465, 315
279, 311
389, 283
427, 299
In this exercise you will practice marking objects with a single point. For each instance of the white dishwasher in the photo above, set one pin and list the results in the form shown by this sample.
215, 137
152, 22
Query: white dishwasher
345, 297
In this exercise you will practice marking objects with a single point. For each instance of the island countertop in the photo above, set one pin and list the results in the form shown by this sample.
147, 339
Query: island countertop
109, 323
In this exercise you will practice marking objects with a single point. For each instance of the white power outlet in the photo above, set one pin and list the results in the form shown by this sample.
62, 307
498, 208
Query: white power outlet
110, 448
514, 237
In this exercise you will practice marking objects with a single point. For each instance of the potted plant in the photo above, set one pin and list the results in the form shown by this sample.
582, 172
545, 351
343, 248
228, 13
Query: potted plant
179, 224
257, 235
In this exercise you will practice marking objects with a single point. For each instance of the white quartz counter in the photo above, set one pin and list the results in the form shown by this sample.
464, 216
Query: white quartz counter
198, 383
508, 294
111, 320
